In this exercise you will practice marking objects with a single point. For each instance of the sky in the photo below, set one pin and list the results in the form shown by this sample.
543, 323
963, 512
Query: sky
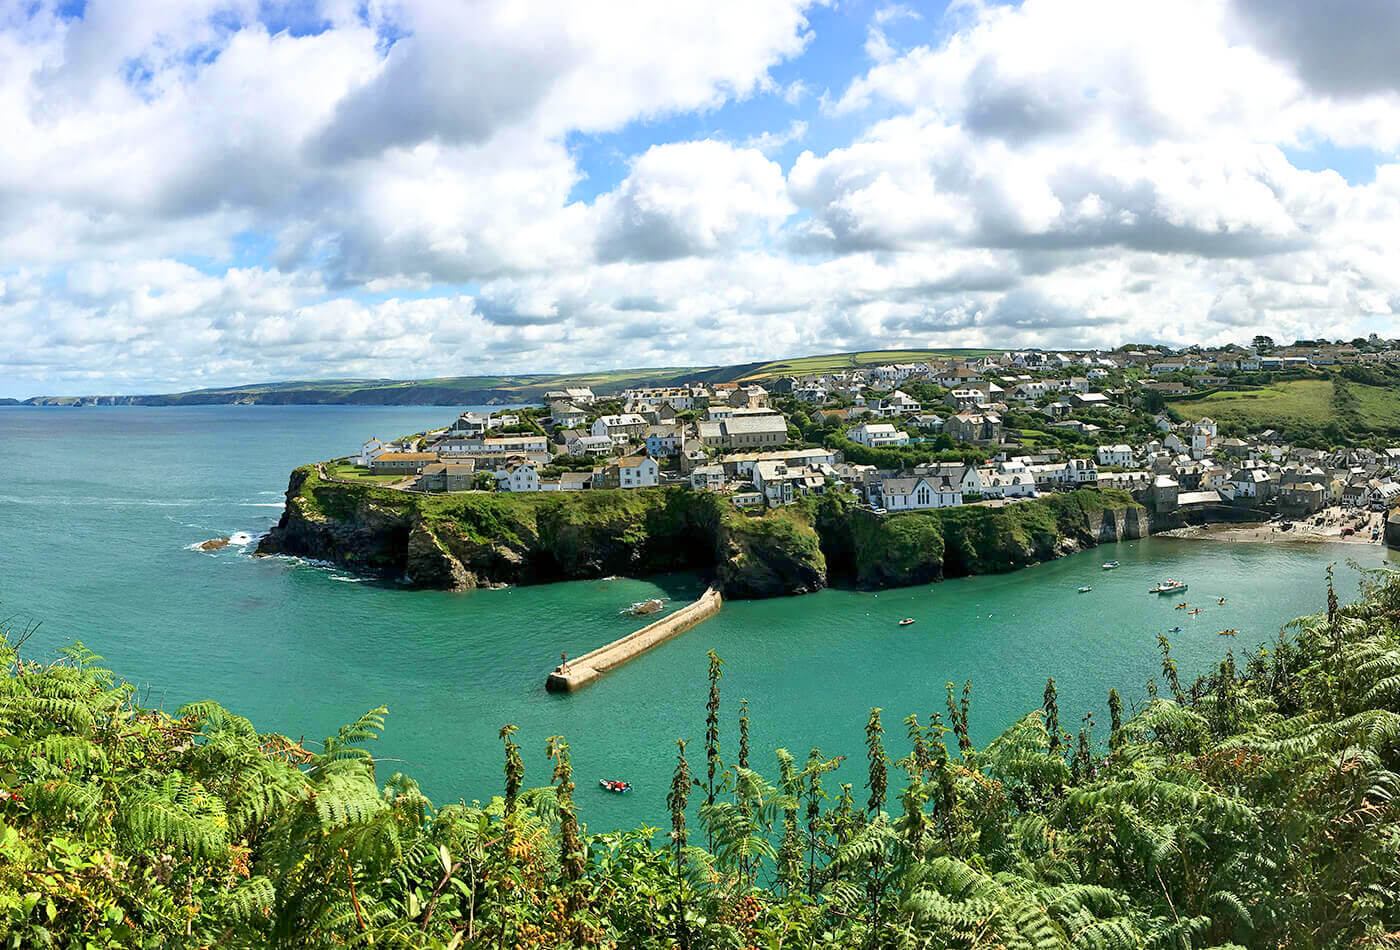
207, 192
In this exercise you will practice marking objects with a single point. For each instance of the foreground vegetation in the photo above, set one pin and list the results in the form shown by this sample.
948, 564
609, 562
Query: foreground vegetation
1258, 806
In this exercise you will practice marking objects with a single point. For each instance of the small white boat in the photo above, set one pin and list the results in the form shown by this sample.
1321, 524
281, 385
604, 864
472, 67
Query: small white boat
1085, 590
906, 621
1110, 565
1168, 587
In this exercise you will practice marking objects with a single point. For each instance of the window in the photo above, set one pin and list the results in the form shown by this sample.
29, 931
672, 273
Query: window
922, 496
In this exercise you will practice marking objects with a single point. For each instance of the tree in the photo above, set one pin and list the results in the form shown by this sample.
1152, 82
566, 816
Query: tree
1262, 343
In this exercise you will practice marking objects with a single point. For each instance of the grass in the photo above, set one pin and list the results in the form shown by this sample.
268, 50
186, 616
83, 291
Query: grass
1297, 403
355, 473
1379, 406
805, 365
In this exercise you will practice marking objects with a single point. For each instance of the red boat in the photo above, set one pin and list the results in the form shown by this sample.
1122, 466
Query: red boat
612, 786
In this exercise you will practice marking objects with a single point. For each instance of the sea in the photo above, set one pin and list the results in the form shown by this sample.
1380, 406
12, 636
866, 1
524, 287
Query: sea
102, 510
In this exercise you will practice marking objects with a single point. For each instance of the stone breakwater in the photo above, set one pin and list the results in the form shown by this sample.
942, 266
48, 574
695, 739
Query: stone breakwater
581, 671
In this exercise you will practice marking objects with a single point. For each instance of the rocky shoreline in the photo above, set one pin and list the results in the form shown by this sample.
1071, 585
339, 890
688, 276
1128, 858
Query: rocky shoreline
466, 541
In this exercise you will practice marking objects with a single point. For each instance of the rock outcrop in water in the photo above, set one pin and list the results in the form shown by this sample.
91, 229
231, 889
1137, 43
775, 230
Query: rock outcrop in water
463, 541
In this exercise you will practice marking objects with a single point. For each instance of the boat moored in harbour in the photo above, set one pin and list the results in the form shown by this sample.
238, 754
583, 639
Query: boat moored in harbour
1168, 587
1110, 565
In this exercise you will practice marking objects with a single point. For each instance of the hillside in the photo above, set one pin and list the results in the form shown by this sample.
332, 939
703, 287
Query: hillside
1345, 405
1253, 808
489, 390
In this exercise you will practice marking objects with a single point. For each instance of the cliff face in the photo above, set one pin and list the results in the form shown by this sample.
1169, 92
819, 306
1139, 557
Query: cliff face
458, 542
918, 547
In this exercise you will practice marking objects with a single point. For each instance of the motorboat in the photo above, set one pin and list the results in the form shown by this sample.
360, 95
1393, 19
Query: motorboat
612, 785
1085, 590
1110, 565
1168, 587
906, 621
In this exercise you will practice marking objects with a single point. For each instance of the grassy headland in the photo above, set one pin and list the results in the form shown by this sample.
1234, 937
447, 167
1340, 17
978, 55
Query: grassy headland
470, 539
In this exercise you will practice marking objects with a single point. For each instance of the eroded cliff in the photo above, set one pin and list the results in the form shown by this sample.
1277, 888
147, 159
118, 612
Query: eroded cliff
462, 541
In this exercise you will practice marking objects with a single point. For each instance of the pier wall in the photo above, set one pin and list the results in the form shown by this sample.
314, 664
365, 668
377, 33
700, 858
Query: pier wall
587, 668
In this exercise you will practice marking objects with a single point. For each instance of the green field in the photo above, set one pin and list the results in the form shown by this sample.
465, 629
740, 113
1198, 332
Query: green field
1379, 406
1304, 402
1339, 410
835, 362
354, 473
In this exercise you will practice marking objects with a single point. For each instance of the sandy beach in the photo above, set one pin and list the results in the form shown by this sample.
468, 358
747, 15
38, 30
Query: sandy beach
1324, 527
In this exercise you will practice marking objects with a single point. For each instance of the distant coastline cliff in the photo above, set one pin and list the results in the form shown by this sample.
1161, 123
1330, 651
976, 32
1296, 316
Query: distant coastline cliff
463, 541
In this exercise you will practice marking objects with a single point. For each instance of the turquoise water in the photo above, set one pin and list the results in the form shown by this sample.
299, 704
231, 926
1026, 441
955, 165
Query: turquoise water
98, 507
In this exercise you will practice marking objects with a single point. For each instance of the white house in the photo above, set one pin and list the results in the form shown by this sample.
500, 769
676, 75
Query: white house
908, 494
873, 434
1251, 483
590, 445
578, 395
1011, 485
902, 401
568, 416
619, 428
968, 478
370, 451
781, 483
1119, 456
502, 445
636, 471
517, 475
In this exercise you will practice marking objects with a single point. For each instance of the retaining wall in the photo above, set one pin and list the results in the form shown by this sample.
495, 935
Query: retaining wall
587, 668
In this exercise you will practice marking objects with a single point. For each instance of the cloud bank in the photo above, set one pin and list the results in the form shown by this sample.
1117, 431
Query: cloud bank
200, 193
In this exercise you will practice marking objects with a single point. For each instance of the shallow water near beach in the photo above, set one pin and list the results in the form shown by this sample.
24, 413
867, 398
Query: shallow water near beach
100, 509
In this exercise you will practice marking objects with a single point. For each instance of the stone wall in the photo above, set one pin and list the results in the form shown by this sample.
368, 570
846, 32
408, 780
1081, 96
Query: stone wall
587, 668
